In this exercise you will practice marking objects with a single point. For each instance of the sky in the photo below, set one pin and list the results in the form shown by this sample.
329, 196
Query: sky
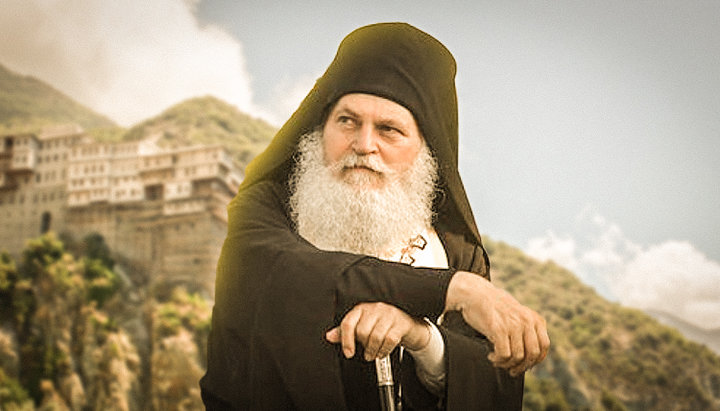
590, 131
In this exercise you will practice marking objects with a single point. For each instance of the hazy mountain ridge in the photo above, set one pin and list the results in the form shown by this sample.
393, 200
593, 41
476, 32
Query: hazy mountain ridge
709, 337
207, 120
28, 104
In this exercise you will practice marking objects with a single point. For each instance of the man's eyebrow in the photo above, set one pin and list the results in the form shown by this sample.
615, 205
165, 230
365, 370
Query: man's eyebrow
384, 121
346, 110
393, 123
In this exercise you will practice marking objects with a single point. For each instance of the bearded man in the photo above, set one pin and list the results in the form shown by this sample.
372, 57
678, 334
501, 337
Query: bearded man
352, 238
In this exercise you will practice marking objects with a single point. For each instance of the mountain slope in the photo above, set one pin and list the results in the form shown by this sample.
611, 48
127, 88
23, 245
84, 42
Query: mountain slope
28, 104
711, 338
604, 356
207, 120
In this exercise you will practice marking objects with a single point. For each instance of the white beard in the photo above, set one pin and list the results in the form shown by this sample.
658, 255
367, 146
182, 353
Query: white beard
344, 214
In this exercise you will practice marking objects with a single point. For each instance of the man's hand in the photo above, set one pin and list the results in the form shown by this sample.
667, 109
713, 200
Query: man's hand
518, 333
379, 327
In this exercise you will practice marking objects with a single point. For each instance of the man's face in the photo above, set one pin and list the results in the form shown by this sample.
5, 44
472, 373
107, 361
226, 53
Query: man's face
381, 134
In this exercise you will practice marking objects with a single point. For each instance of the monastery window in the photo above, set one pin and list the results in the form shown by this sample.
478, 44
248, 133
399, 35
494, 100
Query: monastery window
45, 222
37, 178
55, 157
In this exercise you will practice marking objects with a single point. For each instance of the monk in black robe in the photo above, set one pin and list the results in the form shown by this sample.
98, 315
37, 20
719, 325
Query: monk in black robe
300, 312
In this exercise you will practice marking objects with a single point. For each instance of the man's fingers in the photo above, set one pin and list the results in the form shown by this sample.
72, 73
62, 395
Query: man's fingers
532, 353
501, 351
517, 345
333, 335
543, 341
513, 353
391, 340
347, 331
379, 328
375, 338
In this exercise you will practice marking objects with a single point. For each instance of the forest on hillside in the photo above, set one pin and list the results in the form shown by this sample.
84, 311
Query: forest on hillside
76, 334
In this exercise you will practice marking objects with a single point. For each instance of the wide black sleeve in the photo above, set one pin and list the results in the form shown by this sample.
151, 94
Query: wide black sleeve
276, 296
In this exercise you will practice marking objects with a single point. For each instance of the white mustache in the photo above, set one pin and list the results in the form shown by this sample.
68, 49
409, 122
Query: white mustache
353, 160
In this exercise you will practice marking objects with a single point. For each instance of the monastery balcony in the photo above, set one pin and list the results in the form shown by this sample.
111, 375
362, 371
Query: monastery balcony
78, 199
99, 196
184, 206
22, 165
156, 163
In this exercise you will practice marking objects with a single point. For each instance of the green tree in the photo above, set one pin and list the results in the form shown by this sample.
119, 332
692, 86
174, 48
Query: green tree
8, 279
12, 395
95, 247
102, 281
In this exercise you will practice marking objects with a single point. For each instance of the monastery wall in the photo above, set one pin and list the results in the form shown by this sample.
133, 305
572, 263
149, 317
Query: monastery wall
161, 211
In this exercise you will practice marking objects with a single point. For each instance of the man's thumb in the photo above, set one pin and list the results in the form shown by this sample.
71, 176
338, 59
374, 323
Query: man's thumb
333, 335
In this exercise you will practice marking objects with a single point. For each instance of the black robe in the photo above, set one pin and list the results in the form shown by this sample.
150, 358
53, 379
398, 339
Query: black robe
277, 295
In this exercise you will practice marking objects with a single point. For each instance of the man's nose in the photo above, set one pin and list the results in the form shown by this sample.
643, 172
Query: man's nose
365, 140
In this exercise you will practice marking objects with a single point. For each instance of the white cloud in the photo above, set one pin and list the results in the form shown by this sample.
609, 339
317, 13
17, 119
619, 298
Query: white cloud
672, 276
289, 94
676, 278
551, 247
128, 60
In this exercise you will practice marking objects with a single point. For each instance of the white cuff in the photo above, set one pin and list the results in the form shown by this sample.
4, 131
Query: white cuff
430, 360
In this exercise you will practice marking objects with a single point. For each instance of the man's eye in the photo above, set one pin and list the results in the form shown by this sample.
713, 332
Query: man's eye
345, 120
389, 130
